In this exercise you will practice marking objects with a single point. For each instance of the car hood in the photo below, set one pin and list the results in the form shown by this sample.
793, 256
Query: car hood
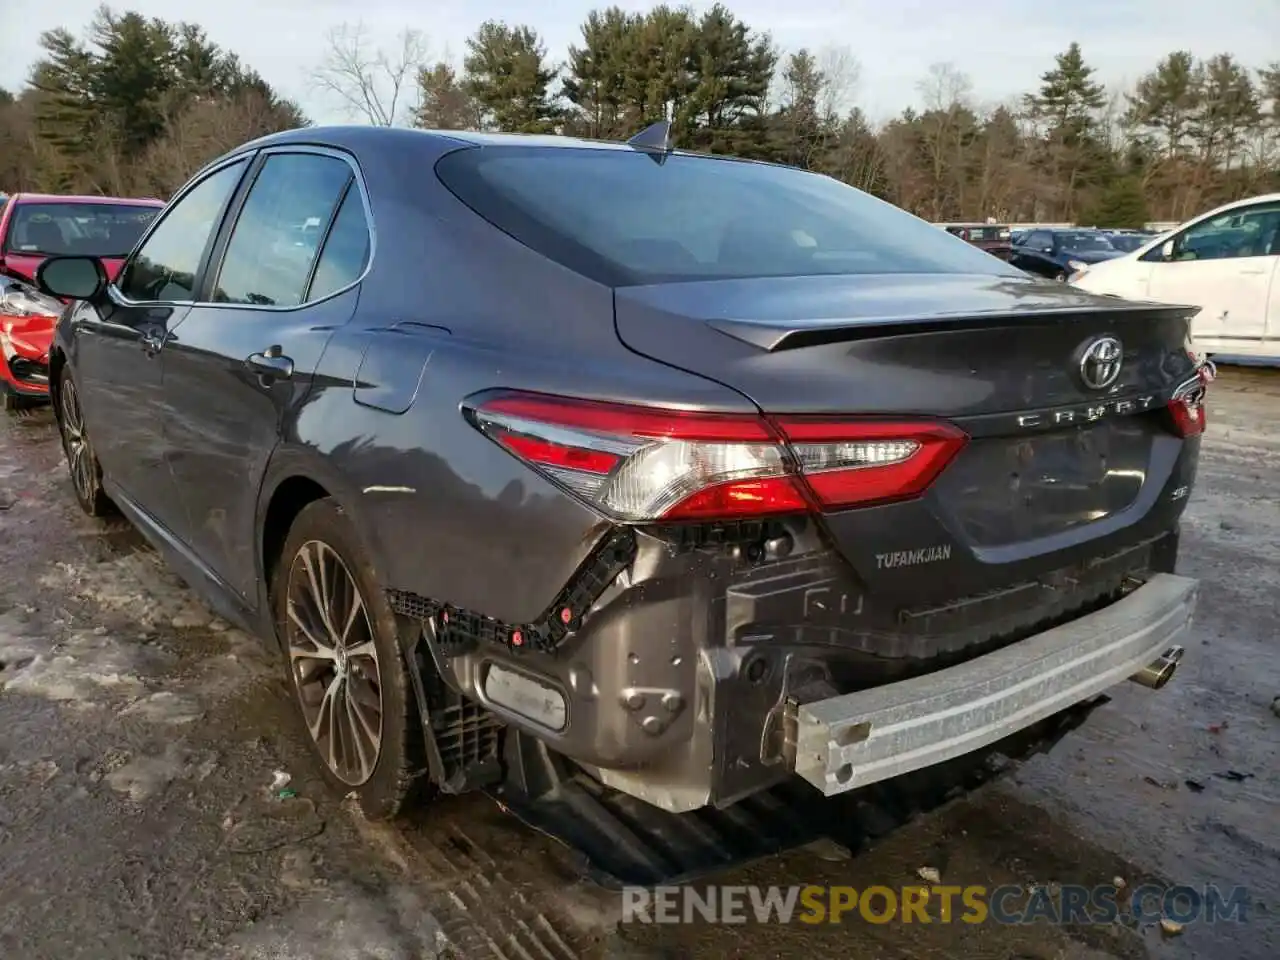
23, 265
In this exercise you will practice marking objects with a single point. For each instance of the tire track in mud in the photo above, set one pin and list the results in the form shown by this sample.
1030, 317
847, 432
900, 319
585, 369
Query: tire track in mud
497, 896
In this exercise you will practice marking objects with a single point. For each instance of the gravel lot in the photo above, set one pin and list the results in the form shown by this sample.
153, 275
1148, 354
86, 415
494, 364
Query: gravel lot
142, 736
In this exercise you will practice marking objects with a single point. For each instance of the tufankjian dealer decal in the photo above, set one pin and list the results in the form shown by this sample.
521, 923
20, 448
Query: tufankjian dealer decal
911, 558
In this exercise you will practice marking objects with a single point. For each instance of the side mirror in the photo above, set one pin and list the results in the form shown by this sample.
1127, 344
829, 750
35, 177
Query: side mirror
72, 278
1166, 250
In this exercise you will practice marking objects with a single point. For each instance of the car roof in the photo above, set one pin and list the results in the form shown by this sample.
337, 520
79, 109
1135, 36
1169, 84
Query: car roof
356, 138
21, 198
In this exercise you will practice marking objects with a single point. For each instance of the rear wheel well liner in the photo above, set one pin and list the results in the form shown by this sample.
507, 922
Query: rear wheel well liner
288, 499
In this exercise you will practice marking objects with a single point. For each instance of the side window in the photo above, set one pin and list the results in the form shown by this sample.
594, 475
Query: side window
1251, 232
346, 250
1038, 241
166, 265
277, 235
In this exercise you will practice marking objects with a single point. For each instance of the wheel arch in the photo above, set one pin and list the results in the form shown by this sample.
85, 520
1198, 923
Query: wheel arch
294, 478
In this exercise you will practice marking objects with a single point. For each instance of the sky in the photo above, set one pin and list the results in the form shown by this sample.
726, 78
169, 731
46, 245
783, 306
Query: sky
1002, 45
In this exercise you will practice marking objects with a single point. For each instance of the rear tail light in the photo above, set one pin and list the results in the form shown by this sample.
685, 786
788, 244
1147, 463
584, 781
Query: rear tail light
847, 462
643, 463
1187, 405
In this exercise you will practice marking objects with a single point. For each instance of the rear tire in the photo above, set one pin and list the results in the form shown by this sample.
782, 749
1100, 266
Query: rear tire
341, 647
82, 462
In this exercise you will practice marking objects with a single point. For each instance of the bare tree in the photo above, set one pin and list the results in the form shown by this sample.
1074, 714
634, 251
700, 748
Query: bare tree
946, 125
840, 71
372, 83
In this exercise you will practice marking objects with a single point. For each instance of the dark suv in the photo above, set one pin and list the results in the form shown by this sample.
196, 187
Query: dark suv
675, 476
1057, 254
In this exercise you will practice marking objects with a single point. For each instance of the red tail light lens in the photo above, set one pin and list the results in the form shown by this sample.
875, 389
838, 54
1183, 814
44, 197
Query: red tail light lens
643, 463
848, 463
1187, 406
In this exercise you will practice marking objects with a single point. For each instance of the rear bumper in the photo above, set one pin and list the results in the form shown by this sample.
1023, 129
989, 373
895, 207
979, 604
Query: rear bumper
686, 682
850, 741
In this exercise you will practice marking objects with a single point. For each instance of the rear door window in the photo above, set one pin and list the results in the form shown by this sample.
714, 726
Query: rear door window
346, 249
277, 234
622, 218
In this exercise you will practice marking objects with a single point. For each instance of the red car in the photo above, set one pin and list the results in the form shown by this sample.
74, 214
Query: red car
33, 227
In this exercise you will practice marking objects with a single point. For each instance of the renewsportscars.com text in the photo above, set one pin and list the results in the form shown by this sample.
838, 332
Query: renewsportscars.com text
1012, 904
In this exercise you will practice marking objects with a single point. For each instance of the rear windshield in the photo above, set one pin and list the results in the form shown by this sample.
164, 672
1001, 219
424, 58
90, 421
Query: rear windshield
623, 219
87, 229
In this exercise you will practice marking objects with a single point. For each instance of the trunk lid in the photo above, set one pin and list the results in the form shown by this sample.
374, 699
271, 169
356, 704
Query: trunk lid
1055, 471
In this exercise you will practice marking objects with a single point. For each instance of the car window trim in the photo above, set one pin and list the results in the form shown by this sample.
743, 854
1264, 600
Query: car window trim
324, 239
117, 295
228, 227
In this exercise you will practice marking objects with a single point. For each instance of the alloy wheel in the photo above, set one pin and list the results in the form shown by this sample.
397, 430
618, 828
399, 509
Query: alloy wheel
334, 662
76, 442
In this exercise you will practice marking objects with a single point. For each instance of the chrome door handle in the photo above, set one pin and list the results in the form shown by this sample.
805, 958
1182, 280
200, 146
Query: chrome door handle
270, 363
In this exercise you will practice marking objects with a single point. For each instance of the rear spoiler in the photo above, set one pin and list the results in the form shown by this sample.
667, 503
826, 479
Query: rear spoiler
776, 335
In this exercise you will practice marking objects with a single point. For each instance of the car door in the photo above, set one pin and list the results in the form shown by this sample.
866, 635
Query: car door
118, 341
240, 363
1226, 266
1033, 257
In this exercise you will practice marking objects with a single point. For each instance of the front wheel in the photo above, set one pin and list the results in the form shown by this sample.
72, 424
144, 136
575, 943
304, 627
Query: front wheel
82, 462
1060, 276
347, 672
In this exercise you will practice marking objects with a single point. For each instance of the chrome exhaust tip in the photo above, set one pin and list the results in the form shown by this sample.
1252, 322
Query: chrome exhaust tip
1160, 670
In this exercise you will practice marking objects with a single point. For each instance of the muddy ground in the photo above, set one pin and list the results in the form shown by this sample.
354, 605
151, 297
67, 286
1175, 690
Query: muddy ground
139, 738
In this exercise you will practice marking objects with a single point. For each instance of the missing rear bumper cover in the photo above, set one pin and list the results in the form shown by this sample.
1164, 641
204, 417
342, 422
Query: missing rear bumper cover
849, 741
462, 631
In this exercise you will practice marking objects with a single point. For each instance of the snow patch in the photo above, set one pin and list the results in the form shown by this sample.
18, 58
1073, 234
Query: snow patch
81, 667
138, 585
346, 923
164, 707
143, 777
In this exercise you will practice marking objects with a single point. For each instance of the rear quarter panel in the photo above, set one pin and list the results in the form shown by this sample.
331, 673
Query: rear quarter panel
449, 514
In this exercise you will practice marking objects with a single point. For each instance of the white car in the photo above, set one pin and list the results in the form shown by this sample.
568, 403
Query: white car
1226, 261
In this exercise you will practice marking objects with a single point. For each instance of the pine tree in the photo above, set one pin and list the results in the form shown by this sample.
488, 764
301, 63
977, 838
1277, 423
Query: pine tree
1229, 107
597, 72
1068, 96
1121, 204
443, 103
508, 76
1167, 99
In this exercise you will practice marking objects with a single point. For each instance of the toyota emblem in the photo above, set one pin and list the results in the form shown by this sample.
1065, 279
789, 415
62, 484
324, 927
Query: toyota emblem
1100, 363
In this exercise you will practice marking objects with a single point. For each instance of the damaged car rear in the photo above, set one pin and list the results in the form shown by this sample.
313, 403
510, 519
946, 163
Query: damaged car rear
680, 476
